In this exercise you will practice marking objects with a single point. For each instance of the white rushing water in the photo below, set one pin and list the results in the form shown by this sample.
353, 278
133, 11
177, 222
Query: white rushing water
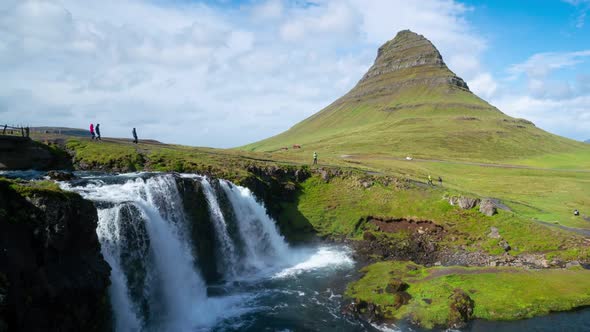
156, 279
264, 245
228, 249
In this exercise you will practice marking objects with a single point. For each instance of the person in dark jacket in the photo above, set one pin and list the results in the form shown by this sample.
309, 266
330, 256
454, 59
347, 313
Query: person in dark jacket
134, 132
97, 129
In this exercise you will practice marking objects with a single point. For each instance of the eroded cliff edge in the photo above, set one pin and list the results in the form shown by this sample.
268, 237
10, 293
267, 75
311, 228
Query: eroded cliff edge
53, 276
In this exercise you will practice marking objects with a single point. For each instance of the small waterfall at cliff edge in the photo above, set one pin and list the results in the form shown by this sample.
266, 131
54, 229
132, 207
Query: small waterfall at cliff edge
157, 278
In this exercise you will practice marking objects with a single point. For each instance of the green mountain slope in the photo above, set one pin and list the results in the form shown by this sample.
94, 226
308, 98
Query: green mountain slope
410, 103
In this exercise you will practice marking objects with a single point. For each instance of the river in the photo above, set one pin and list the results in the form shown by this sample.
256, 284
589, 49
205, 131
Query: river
264, 284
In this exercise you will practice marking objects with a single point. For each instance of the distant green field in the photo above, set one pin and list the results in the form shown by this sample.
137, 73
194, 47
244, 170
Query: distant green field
547, 191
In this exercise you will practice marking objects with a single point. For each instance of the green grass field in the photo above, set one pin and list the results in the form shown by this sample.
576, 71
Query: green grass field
533, 188
335, 208
498, 293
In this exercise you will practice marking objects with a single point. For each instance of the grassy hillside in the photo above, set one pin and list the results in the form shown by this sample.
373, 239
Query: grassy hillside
410, 103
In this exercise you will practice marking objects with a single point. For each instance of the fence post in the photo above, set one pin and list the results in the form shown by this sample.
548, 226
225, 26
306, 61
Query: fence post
4, 131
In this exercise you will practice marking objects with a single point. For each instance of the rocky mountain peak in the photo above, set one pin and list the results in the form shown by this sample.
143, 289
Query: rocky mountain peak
407, 51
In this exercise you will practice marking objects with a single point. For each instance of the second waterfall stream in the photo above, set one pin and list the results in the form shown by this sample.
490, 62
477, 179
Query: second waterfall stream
192, 254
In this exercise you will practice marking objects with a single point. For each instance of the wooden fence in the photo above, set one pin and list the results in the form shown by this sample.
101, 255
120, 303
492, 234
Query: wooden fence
7, 130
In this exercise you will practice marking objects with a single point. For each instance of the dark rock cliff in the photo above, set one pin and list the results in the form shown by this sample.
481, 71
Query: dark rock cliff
24, 153
53, 276
202, 229
279, 187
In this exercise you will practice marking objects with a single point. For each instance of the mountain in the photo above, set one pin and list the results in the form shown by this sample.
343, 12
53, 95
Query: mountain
587, 141
410, 103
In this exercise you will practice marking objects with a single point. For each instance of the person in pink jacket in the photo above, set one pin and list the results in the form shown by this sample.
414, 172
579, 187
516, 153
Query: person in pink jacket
92, 130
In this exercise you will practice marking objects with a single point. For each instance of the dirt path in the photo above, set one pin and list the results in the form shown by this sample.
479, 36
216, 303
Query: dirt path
581, 231
457, 270
360, 157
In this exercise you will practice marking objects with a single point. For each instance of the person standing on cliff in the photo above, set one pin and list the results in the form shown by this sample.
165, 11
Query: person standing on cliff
92, 131
97, 129
315, 158
430, 180
134, 132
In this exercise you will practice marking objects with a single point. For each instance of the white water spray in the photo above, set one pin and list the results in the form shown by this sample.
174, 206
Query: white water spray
156, 282
228, 250
264, 245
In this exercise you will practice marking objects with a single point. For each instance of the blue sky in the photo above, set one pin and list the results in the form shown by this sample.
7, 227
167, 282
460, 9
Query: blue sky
225, 73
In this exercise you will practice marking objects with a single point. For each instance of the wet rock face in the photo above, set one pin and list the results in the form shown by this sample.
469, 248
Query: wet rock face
360, 309
202, 229
53, 276
60, 176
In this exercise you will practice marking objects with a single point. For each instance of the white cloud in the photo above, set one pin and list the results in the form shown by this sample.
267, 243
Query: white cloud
335, 21
207, 75
484, 85
555, 102
567, 117
271, 9
583, 6
542, 64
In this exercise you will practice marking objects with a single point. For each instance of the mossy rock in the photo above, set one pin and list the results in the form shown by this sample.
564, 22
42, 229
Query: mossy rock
461, 308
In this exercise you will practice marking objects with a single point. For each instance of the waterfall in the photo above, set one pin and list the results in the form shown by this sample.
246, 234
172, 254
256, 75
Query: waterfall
143, 234
228, 250
264, 246
146, 239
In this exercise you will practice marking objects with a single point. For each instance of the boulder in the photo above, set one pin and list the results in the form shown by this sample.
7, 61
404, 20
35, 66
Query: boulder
461, 309
453, 200
467, 203
401, 298
367, 184
325, 176
504, 244
572, 264
494, 233
488, 207
60, 176
396, 285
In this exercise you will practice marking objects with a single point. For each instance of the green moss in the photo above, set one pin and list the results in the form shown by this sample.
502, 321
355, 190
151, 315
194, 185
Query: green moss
32, 188
498, 293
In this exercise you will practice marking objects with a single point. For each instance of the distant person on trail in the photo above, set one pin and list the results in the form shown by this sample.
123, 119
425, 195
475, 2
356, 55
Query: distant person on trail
92, 130
97, 129
576, 212
315, 158
430, 180
440, 181
134, 132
